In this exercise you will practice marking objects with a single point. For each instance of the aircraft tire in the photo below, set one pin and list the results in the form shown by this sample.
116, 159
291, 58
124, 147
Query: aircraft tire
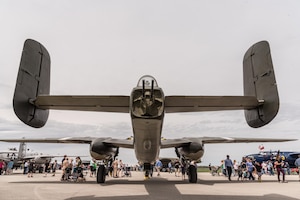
192, 174
101, 174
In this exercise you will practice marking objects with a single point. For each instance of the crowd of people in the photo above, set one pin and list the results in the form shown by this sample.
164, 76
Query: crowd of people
119, 169
6, 167
249, 168
69, 166
72, 169
30, 167
173, 166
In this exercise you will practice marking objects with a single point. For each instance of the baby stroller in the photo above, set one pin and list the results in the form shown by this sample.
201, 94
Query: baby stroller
127, 172
215, 170
66, 175
77, 175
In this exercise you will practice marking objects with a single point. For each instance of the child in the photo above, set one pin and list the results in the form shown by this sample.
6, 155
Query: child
245, 174
240, 173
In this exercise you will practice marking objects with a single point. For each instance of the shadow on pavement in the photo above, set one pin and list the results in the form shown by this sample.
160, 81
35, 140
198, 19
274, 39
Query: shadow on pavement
160, 188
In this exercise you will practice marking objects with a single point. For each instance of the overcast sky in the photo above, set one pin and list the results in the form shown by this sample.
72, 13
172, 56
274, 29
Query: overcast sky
190, 47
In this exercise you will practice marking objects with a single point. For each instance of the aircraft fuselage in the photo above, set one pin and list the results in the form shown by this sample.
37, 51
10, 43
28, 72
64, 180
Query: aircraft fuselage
147, 114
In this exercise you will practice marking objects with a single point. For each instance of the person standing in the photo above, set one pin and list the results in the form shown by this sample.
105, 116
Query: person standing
270, 168
115, 168
2, 166
46, 170
176, 166
279, 168
54, 166
31, 167
158, 166
228, 165
120, 168
297, 163
64, 158
93, 166
9, 167
78, 165
26, 167
235, 168
258, 169
250, 169
183, 170
223, 168
170, 167
65, 166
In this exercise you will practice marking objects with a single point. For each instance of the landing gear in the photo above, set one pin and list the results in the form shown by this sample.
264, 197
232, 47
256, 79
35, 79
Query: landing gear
147, 175
101, 174
192, 174
191, 167
148, 170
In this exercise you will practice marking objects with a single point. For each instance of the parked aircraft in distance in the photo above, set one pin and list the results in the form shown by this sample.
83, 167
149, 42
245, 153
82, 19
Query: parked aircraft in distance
18, 157
289, 156
147, 106
9, 154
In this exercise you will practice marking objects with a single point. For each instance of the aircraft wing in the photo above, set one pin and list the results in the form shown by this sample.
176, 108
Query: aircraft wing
84, 103
2, 152
209, 103
168, 143
78, 140
215, 140
39, 156
124, 143
121, 103
165, 143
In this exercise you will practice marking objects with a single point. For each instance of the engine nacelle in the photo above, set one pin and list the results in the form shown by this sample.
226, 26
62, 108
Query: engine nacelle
193, 151
102, 151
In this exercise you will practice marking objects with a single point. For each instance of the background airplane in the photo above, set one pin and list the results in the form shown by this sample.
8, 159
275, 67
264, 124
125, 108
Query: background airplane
147, 106
24, 154
9, 154
289, 156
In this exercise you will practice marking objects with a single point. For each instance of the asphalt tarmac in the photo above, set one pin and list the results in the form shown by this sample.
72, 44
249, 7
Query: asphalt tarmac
166, 186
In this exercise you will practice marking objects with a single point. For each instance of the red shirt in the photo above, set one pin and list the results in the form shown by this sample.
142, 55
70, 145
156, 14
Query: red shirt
2, 164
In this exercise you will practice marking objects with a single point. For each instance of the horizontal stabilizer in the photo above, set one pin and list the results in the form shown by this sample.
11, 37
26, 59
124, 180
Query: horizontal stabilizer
101, 103
208, 103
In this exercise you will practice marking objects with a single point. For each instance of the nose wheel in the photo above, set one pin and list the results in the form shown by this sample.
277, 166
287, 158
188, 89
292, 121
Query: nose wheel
147, 175
148, 171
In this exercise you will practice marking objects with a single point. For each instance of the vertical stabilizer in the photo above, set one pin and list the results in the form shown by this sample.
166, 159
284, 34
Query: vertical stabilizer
33, 80
22, 150
259, 81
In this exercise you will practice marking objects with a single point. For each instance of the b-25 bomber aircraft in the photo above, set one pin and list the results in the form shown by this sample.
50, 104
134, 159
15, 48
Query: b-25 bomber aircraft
147, 106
